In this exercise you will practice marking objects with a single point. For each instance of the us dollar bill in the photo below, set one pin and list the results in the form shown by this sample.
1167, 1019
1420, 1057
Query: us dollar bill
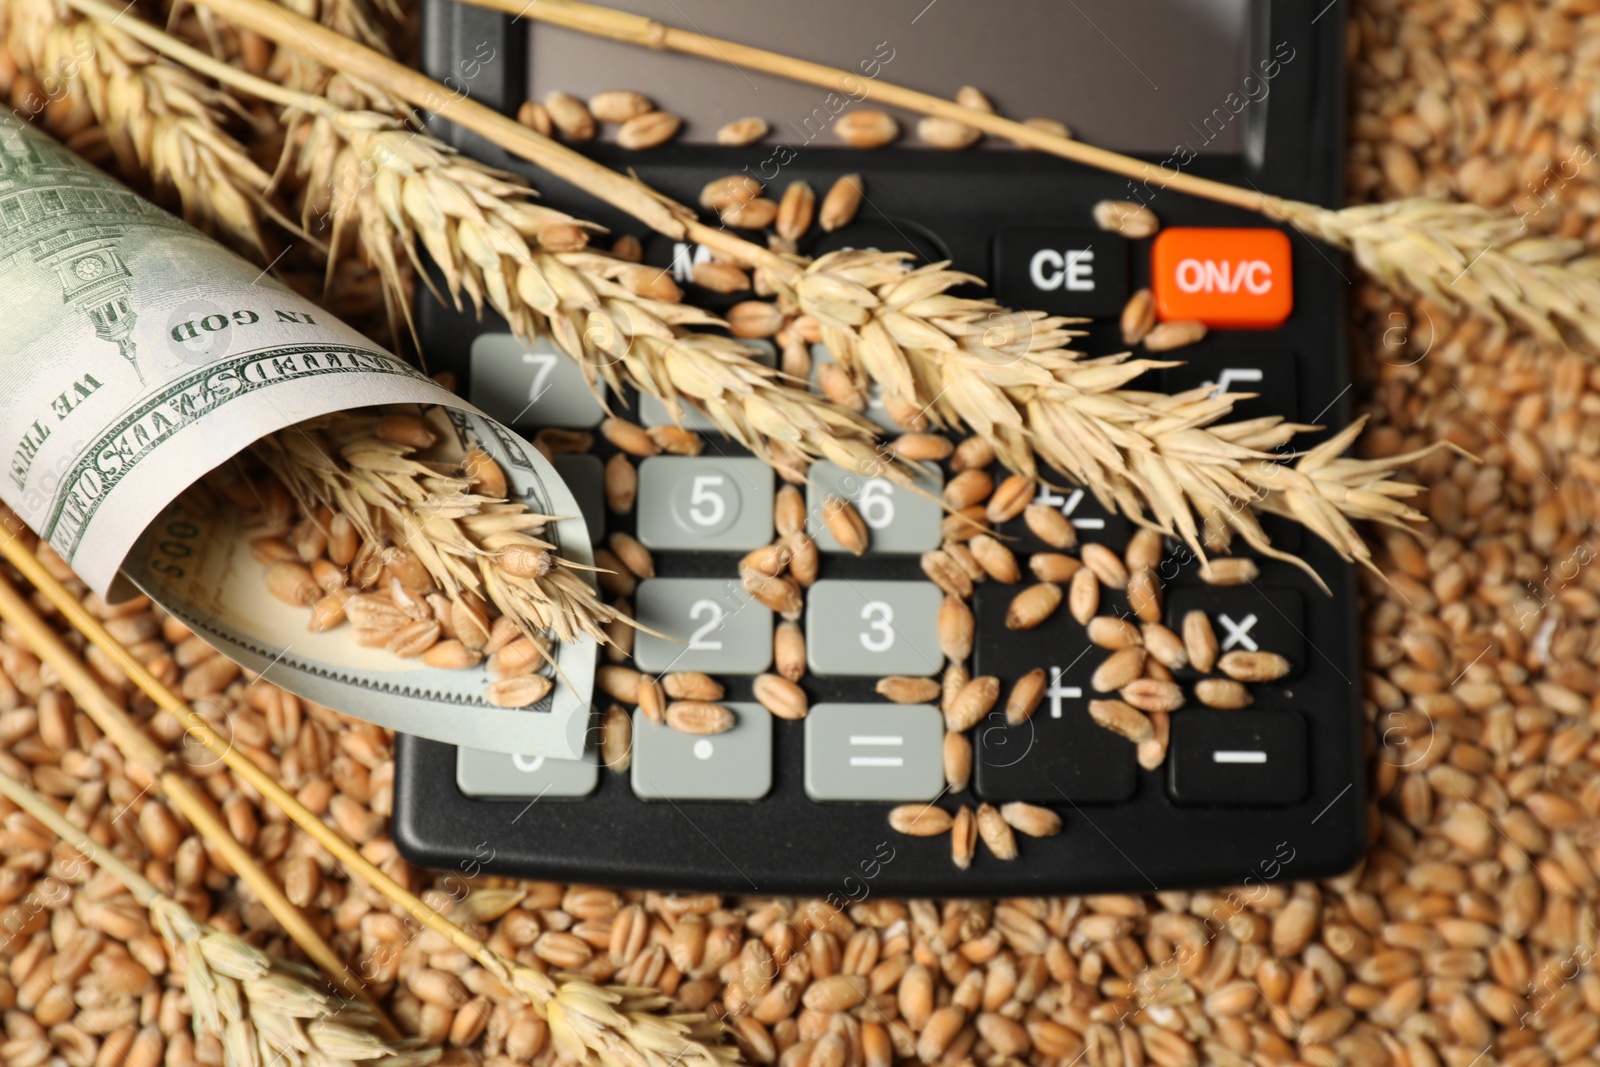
136, 354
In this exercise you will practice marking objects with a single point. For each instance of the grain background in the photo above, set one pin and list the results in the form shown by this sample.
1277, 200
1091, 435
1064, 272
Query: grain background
1466, 937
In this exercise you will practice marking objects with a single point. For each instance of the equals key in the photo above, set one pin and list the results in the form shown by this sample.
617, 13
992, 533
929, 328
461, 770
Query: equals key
874, 752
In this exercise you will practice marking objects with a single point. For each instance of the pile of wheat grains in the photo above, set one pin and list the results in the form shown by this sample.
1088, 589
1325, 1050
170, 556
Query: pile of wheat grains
1466, 937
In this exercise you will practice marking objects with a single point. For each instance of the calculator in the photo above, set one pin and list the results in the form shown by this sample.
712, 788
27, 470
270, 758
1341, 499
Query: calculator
1246, 91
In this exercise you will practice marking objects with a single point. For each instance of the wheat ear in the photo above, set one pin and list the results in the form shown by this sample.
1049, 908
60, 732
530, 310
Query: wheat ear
264, 1010
139, 749
1009, 377
1185, 457
159, 119
1470, 258
595, 1025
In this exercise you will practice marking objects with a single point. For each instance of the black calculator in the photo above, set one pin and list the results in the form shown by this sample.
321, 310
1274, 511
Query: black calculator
1246, 91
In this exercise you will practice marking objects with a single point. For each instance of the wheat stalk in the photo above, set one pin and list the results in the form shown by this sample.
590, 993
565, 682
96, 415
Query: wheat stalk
464, 538
263, 1009
160, 120
600, 1026
1466, 256
1005, 375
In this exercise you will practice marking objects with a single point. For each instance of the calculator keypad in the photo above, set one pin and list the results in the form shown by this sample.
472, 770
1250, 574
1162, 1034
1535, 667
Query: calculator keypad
711, 624
735, 765
496, 774
869, 617
1247, 618
873, 628
1061, 270
705, 503
1237, 757
899, 520
1059, 753
1089, 519
874, 752
530, 388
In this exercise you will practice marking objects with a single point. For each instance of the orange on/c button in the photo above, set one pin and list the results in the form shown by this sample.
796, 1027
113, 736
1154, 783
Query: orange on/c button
1231, 279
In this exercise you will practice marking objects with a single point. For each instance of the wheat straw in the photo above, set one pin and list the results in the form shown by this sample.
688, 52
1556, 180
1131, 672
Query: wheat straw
263, 1009
160, 120
602, 1026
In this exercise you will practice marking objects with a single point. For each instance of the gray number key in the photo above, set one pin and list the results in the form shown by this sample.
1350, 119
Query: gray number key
873, 628
899, 520
874, 752
705, 503
654, 413
737, 765
585, 476
714, 626
495, 774
530, 388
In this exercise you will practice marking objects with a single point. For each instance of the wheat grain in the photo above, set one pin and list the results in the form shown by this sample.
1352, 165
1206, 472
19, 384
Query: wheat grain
742, 131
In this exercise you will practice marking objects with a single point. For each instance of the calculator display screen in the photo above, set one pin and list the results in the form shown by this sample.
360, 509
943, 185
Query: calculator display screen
1143, 76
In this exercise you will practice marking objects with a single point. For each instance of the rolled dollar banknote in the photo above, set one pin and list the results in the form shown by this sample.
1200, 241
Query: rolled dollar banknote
136, 355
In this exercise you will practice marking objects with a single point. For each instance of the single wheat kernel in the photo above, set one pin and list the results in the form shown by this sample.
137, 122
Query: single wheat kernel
920, 820
866, 128
839, 207
1033, 606
619, 105
1119, 718
996, 832
742, 131
1031, 819
900, 689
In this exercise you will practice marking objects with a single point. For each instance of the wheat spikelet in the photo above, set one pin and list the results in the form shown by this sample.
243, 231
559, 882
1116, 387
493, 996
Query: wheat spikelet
461, 537
264, 1010
360, 20
161, 121
1468, 258
1008, 376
